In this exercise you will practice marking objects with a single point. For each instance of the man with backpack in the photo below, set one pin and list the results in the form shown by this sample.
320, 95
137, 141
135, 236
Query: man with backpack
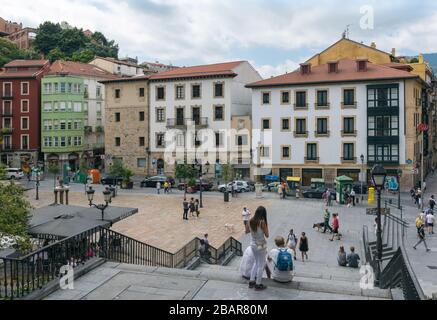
421, 236
280, 261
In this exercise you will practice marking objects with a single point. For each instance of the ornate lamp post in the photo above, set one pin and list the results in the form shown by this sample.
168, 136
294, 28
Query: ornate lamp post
107, 197
362, 176
378, 178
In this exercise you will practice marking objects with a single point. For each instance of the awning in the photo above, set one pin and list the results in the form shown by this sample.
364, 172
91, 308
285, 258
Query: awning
271, 178
295, 179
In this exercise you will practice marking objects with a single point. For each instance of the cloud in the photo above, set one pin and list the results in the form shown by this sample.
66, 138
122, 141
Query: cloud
267, 71
206, 31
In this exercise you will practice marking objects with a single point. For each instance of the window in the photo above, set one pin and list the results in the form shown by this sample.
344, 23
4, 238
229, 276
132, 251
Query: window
141, 93
24, 141
160, 93
47, 88
322, 98
7, 123
98, 91
348, 151
301, 126
63, 124
117, 141
219, 113
141, 162
219, 139
285, 124
180, 140
383, 153
99, 108
301, 97
285, 97
383, 126
141, 141
382, 97
55, 87
24, 123
141, 115
160, 114
56, 141
180, 92
47, 124
285, 152
85, 90
70, 107
77, 107
348, 125
312, 151
55, 124
160, 140
266, 98
62, 106
63, 142
25, 88
69, 123
218, 90
322, 126
349, 97
76, 124
265, 124
264, 152
117, 117
62, 87
117, 93
24, 106
195, 91
47, 141
241, 140
69, 88
77, 141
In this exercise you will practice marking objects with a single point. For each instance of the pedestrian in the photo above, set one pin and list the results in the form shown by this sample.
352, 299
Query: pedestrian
281, 261
158, 187
192, 207
430, 219
341, 258
259, 231
353, 258
328, 197
303, 246
247, 262
292, 242
185, 206
284, 190
196, 207
421, 235
326, 217
352, 195
419, 197
166, 186
424, 185
232, 190
335, 226
280, 191
431, 202
246, 217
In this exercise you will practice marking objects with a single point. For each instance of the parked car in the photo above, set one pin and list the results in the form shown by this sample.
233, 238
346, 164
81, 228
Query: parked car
251, 185
239, 186
14, 173
317, 193
272, 186
206, 185
111, 180
152, 181
357, 187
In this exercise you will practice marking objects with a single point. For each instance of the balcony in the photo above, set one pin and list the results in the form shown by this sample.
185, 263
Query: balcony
322, 134
349, 160
7, 147
6, 130
300, 134
321, 106
352, 133
6, 113
7, 95
301, 106
201, 122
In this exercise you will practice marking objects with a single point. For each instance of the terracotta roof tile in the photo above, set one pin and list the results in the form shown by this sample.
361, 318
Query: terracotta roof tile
79, 69
19, 74
198, 71
26, 63
347, 71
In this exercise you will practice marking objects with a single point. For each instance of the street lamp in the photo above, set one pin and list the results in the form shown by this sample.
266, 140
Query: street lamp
362, 176
106, 195
378, 178
399, 188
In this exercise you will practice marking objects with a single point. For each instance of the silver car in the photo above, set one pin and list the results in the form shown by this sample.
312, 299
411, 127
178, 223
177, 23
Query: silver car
239, 186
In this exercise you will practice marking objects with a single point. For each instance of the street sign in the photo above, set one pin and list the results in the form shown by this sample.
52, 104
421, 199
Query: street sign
423, 127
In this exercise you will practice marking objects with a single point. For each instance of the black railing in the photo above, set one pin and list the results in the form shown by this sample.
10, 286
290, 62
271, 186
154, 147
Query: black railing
182, 122
31, 272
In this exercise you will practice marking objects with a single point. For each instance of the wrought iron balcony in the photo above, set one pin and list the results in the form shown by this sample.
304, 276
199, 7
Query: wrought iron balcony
7, 95
321, 133
349, 160
184, 122
6, 113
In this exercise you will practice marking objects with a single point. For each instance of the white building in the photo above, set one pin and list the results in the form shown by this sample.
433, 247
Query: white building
118, 67
192, 111
316, 122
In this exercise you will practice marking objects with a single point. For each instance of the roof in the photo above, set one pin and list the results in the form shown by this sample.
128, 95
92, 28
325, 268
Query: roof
347, 72
400, 66
26, 63
157, 64
126, 79
78, 69
218, 69
113, 60
19, 74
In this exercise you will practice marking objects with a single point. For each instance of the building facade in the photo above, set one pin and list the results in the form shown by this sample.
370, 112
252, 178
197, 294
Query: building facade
191, 112
127, 123
72, 109
316, 122
118, 67
20, 86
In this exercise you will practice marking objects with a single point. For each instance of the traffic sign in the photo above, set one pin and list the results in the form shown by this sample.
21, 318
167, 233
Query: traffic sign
423, 127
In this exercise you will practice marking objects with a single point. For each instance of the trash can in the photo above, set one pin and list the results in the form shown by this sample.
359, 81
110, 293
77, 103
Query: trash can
95, 174
226, 196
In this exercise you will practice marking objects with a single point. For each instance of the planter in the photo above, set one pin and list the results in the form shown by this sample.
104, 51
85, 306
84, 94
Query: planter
191, 190
127, 185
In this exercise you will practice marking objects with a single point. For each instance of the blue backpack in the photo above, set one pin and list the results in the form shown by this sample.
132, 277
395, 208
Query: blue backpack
284, 261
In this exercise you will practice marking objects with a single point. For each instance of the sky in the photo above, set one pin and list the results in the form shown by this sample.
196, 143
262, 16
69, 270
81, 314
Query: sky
274, 35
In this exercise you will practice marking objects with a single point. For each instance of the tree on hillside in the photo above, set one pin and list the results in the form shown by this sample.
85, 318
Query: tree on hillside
84, 56
9, 51
47, 37
72, 40
55, 54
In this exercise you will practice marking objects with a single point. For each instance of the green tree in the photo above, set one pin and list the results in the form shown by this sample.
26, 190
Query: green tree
227, 172
84, 56
117, 168
71, 41
9, 51
56, 54
48, 36
14, 214
185, 172
2, 171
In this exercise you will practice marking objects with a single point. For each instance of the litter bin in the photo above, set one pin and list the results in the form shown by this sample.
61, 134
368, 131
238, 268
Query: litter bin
95, 174
226, 196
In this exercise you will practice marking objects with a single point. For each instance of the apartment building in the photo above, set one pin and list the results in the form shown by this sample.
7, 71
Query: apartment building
121, 68
191, 116
323, 118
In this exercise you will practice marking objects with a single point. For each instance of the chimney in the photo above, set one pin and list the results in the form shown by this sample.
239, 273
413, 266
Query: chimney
362, 65
373, 45
393, 52
305, 68
333, 66
421, 59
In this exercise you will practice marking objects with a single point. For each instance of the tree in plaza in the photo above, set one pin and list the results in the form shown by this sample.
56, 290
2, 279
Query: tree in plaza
14, 215
55, 170
186, 172
227, 172
117, 168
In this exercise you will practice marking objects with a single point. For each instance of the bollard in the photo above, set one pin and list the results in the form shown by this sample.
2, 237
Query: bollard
66, 197
56, 196
61, 197
371, 195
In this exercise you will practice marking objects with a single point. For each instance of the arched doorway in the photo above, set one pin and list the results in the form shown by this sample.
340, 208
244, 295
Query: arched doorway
160, 166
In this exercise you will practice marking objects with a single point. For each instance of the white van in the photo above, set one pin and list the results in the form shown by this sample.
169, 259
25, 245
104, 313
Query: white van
14, 173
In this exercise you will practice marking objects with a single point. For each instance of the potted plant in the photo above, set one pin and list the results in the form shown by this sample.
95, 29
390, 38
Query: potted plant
191, 185
127, 175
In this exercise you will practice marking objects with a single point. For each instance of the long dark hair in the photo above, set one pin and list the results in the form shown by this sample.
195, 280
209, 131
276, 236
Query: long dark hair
260, 215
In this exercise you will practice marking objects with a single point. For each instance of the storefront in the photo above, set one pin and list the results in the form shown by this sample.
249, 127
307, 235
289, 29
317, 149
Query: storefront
308, 174
285, 172
354, 174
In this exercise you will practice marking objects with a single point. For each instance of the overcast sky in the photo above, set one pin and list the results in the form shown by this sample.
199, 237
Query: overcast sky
274, 35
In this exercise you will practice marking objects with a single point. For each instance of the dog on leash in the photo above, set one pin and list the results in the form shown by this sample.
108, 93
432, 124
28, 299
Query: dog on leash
319, 225
229, 227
